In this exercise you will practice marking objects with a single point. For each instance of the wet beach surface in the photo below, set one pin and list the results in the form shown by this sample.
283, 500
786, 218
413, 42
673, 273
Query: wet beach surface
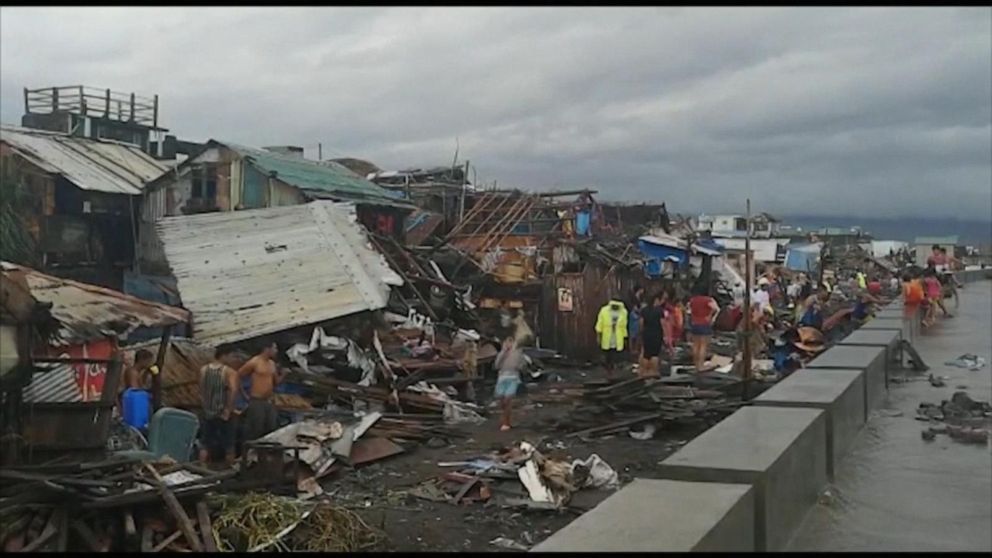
898, 492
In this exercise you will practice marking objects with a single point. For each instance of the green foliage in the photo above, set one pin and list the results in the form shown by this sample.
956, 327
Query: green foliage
16, 243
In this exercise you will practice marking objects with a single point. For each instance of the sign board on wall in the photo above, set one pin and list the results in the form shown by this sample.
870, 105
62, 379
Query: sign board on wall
89, 377
564, 299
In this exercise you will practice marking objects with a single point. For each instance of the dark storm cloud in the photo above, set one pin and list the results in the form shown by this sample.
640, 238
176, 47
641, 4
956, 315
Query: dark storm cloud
862, 111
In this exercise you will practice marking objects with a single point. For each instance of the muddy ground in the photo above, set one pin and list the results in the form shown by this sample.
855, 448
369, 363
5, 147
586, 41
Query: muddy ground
376, 490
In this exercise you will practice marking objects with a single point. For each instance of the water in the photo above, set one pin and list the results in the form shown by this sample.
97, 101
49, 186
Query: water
896, 492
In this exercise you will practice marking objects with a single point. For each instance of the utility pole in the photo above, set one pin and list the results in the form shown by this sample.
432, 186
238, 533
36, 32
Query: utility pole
461, 209
320, 152
747, 304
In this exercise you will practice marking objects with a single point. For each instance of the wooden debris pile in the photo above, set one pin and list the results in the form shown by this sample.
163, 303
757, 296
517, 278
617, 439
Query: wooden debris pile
603, 408
115, 505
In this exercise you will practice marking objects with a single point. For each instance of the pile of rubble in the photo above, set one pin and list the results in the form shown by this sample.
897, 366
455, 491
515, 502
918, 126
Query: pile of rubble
126, 504
603, 408
518, 476
961, 418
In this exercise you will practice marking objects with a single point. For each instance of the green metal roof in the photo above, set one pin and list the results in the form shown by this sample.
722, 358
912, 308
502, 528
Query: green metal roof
331, 179
942, 240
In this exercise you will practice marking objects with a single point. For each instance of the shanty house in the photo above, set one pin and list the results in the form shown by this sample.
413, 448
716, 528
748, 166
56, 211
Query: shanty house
81, 198
229, 177
245, 274
92, 323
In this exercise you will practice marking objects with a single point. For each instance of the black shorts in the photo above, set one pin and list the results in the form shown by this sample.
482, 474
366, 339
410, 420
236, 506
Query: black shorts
652, 345
612, 356
218, 437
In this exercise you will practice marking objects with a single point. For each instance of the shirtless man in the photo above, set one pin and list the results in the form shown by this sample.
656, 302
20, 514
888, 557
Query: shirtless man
135, 377
260, 415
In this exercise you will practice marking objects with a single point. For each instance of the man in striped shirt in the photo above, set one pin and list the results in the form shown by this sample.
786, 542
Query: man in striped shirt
218, 388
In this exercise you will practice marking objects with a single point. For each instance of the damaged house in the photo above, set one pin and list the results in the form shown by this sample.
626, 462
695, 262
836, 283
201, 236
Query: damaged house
227, 177
82, 196
70, 389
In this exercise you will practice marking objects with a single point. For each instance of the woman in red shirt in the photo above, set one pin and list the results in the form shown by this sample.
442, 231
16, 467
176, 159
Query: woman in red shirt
702, 312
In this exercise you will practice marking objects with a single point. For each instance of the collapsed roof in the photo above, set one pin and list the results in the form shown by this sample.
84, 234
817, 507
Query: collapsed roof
249, 273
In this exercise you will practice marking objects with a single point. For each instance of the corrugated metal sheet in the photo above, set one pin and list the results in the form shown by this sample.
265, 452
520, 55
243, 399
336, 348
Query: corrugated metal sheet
87, 312
96, 165
53, 383
249, 273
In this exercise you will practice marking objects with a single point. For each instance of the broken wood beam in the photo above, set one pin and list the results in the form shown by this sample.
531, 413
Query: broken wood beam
606, 427
177, 511
167, 541
206, 530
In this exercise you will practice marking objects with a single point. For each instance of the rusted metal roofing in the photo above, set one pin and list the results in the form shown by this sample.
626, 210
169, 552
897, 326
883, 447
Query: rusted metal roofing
96, 165
87, 312
249, 273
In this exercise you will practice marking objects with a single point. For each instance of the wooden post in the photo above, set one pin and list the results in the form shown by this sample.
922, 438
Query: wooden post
160, 363
132, 107
155, 113
106, 112
747, 304
55, 99
320, 152
26, 104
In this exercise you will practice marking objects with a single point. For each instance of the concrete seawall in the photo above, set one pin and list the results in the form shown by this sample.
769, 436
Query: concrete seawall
785, 447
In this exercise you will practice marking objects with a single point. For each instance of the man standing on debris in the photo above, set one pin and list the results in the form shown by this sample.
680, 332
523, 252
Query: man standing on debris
509, 361
611, 328
653, 336
703, 310
260, 416
218, 389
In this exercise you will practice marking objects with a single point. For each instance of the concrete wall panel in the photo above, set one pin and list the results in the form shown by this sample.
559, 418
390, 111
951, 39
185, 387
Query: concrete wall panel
651, 515
839, 393
780, 451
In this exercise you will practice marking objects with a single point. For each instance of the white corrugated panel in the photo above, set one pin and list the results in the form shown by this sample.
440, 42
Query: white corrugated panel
96, 165
53, 383
765, 250
248, 273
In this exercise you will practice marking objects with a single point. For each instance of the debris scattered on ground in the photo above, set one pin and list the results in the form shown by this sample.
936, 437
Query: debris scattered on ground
964, 419
503, 542
935, 381
969, 361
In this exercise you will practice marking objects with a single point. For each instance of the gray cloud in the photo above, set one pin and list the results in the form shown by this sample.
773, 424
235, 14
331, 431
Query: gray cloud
843, 111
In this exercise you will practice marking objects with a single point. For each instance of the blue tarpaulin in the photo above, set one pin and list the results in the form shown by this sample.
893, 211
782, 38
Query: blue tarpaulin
656, 253
582, 221
802, 258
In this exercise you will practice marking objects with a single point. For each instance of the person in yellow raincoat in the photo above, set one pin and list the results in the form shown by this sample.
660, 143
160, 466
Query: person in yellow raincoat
611, 329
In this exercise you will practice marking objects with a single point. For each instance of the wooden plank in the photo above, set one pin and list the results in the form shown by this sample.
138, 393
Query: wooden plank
46, 535
177, 511
206, 530
146, 538
167, 541
62, 522
606, 427
87, 534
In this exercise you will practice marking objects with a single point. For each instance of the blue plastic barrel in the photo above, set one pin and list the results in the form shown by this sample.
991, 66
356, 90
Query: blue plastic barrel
137, 407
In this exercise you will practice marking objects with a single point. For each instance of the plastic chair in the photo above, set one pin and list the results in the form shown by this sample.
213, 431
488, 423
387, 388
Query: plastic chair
172, 432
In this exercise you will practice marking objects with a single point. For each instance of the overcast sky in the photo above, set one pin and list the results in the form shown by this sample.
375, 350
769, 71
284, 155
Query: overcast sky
839, 111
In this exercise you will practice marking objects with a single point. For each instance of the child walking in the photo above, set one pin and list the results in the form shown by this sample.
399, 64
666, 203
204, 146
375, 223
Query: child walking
509, 361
